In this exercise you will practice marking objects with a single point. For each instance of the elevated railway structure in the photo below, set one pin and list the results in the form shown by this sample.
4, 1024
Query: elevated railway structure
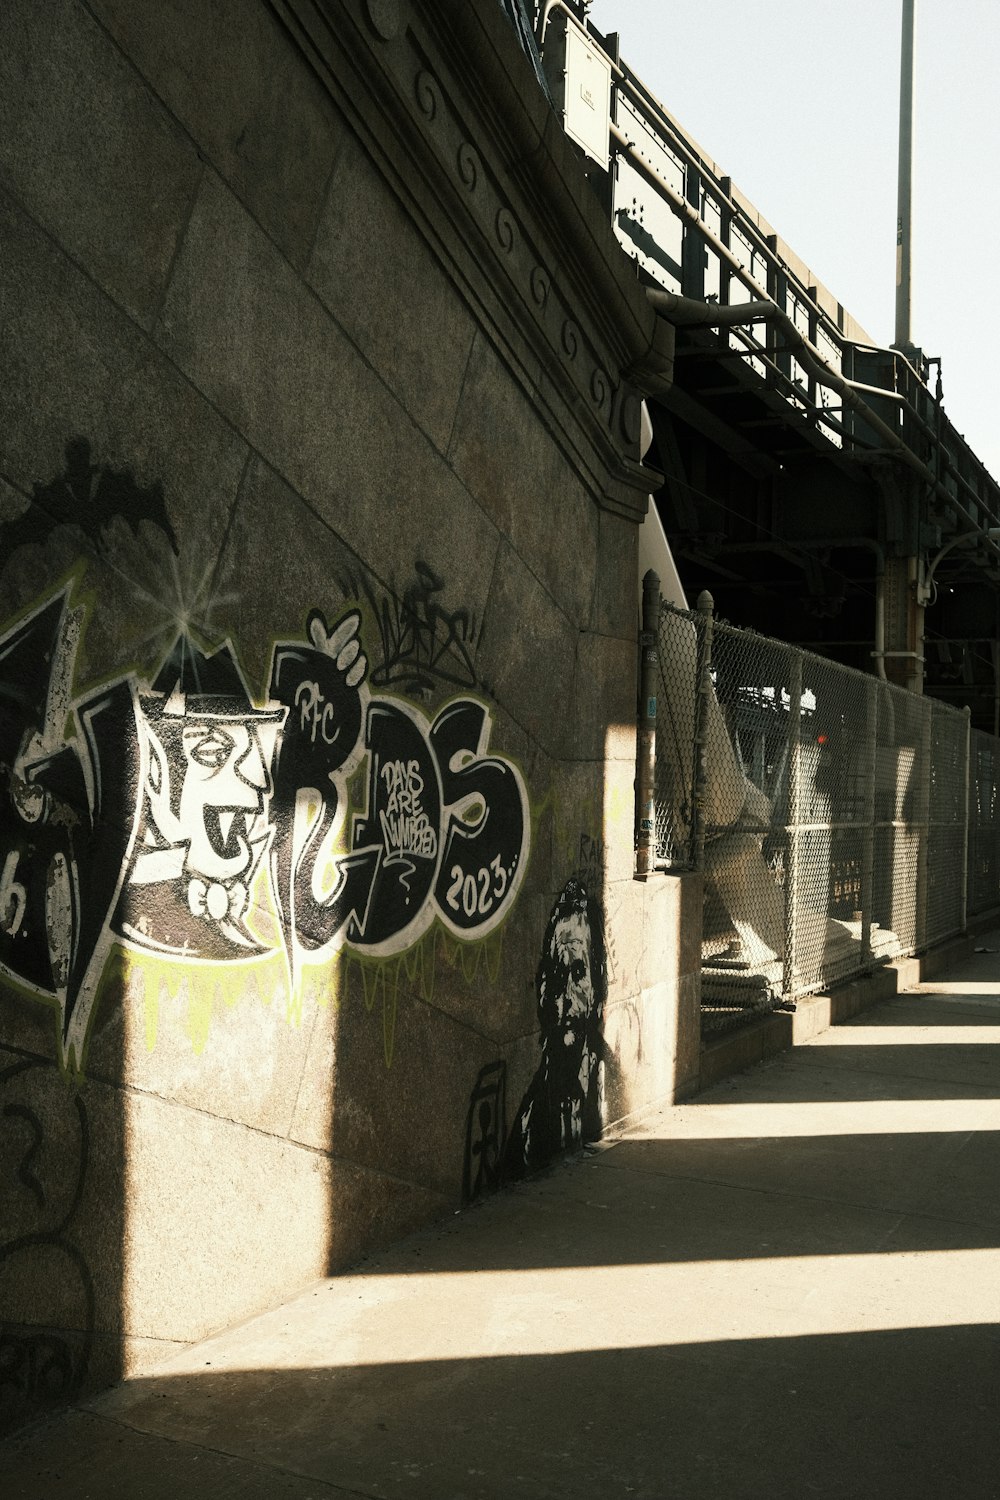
812, 479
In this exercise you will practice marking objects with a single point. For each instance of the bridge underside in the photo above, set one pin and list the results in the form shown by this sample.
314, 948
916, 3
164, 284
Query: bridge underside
798, 537
812, 479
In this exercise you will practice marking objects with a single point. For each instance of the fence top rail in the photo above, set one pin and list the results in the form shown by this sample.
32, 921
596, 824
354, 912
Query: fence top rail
812, 662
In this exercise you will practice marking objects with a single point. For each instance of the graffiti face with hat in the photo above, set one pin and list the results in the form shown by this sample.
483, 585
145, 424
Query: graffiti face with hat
206, 824
208, 788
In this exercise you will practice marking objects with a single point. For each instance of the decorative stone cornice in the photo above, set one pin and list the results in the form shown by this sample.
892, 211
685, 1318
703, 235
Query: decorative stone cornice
452, 113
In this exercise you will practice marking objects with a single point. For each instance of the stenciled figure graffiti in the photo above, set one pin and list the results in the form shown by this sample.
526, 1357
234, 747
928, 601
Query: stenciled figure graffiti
205, 824
562, 1108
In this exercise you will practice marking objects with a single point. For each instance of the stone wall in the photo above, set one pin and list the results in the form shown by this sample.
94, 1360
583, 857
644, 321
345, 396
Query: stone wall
319, 488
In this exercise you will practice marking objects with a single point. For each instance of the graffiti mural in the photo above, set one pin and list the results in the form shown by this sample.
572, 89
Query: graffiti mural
444, 829
485, 1133
44, 1147
179, 817
422, 642
562, 1108
90, 498
204, 755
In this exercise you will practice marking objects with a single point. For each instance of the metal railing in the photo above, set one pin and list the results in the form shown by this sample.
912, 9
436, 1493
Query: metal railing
839, 821
694, 234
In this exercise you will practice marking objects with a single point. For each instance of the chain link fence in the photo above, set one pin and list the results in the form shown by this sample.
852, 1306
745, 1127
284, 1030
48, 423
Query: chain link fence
840, 821
984, 822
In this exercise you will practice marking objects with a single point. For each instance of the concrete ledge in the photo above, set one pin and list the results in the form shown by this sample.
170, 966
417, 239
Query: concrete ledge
815, 1013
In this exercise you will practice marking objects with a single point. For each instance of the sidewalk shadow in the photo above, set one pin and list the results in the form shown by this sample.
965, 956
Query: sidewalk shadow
895, 1413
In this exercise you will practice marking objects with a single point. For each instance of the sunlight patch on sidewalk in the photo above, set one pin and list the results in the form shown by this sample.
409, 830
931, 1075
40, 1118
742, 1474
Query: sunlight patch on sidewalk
773, 1119
397, 1319
959, 989
909, 1036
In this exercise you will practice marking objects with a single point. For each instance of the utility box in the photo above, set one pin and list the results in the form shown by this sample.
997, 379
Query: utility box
579, 75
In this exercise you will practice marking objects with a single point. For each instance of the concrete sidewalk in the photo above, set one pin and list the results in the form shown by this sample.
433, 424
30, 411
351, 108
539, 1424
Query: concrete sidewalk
789, 1286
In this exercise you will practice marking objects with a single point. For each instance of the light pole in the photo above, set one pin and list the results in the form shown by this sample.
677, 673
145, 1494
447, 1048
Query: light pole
904, 223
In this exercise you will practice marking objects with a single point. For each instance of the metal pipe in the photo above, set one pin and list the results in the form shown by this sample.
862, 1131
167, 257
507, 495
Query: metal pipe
685, 312
878, 655
925, 590
543, 19
682, 208
691, 158
904, 220
920, 790
726, 201
991, 534
645, 770
915, 677
807, 355
867, 347
869, 542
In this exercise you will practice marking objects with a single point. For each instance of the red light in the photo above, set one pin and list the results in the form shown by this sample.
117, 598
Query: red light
821, 739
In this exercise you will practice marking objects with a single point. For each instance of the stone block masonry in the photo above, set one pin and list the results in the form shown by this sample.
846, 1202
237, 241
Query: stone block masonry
319, 484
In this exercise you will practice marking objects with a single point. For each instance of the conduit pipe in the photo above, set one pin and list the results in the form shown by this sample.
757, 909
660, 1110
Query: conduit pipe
747, 228
687, 211
689, 312
758, 242
686, 312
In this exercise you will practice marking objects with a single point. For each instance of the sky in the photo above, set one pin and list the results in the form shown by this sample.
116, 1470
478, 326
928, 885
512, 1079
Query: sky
798, 102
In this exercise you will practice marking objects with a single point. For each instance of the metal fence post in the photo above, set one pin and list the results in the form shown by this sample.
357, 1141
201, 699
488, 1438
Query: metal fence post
870, 769
645, 770
967, 811
705, 629
922, 821
789, 966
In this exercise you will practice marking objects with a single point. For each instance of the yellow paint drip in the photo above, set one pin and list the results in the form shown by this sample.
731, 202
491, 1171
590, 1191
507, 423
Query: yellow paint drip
150, 1010
198, 1019
293, 1005
161, 985
157, 983
419, 967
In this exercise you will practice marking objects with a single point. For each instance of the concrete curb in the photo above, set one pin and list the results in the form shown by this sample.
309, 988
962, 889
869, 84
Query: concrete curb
781, 1030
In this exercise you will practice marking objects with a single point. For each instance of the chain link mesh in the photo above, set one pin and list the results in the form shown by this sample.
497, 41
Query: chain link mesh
680, 649
842, 821
984, 822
